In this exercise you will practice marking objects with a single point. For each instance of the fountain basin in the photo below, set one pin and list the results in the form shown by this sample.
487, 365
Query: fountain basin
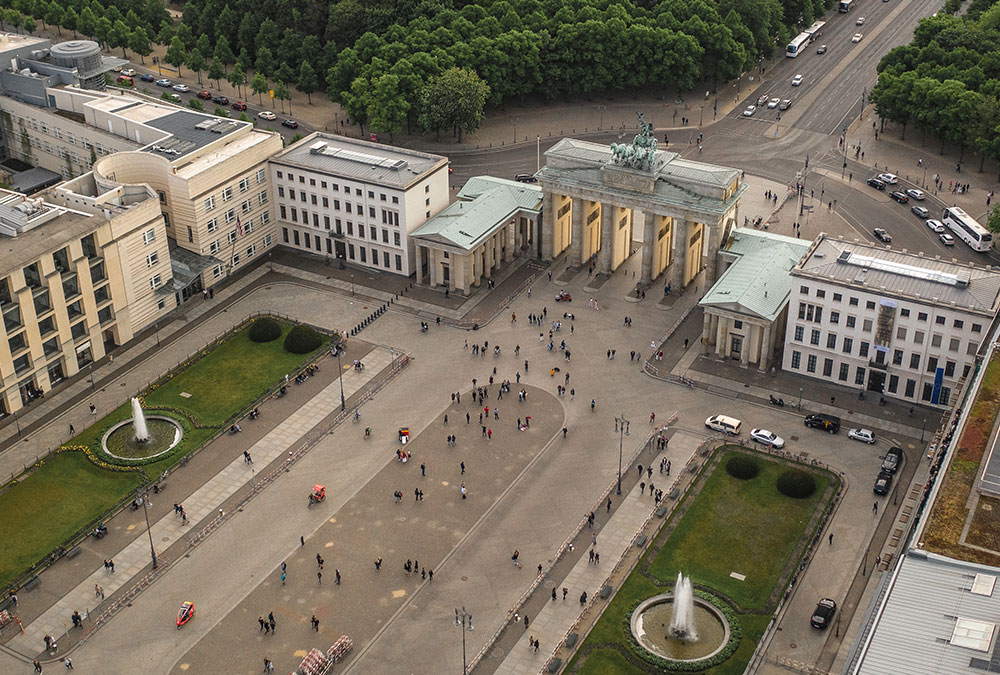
164, 435
650, 626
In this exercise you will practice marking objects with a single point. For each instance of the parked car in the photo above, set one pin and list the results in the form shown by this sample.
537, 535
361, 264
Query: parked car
239, 105
768, 438
130, 72
882, 483
876, 183
946, 239
863, 435
857, 37
889, 178
935, 225
827, 423
749, 110
164, 83
823, 613
899, 196
773, 103
916, 194
147, 77
267, 115
892, 460
785, 105
183, 88
220, 100
175, 98
920, 212
797, 80
821, 49
291, 124
525, 178
204, 95
125, 81
882, 235
729, 425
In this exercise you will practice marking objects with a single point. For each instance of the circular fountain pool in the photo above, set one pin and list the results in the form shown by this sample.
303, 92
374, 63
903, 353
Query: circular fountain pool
650, 625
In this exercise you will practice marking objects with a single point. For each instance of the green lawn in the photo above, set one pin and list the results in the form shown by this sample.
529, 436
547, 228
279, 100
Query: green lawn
228, 379
743, 526
51, 505
730, 526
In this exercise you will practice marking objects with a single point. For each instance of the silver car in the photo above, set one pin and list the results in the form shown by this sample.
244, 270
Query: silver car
863, 435
936, 225
769, 438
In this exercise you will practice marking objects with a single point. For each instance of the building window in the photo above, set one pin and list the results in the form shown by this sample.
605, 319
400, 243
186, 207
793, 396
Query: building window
267, 241
870, 305
152, 259
901, 333
939, 320
932, 363
261, 175
837, 297
395, 199
954, 345
230, 216
313, 199
918, 337
859, 376
281, 191
897, 357
893, 384
796, 360
863, 350
928, 391
244, 184
246, 206
834, 317
853, 302
227, 194
265, 218
827, 367
851, 321
213, 248
977, 328
149, 236
213, 224
911, 385
848, 345
814, 337
262, 197
831, 341
949, 368
936, 340
279, 174
284, 234
914, 361
811, 363
959, 324
231, 237
971, 349
904, 313
399, 263
210, 203
282, 212
922, 316
190, 233
251, 249
844, 372
820, 293
799, 332
395, 238
154, 281
364, 254
866, 326
236, 259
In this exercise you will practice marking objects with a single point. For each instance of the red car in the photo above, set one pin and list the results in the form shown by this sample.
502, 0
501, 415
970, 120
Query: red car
205, 95
239, 105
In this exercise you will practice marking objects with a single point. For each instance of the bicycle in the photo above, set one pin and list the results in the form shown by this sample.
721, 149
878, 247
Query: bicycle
357, 415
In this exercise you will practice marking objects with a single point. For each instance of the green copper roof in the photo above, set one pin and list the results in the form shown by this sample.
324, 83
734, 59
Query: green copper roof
485, 203
759, 282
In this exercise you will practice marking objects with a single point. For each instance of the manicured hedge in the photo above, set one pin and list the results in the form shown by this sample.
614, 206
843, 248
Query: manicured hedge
796, 483
302, 340
743, 467
264, 330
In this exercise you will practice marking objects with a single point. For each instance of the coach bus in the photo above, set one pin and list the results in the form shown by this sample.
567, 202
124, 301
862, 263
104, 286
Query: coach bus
796, 46
967, 229
845, 6
813, 30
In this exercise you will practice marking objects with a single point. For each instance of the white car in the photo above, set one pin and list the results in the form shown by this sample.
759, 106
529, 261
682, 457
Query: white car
936, 225
797, 80
750, 110
183, 88
769, 438
130, 72
773, 103
916, 194
860, 21
857, 37
947, 239
175, 98
863, 435
889, 178
267, 115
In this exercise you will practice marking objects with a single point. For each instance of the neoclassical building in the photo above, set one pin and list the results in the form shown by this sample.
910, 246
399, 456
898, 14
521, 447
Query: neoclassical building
600, 201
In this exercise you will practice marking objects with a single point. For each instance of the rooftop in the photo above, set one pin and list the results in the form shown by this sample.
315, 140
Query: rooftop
901, 274
758, 282
939, 617
484, 204
188, 130
361, 160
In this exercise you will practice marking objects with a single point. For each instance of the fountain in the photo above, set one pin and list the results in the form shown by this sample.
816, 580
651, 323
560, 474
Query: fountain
682, 625
139, 424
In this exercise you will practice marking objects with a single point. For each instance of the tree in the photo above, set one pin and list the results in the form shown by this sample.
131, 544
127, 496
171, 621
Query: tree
204, 45
387, 107
29, 24
215, 72
70, 19
993, 224
237, 78
223, 52
186, 36
227, 24
165, 35
258, 85
220, 112
176, 56
281, 93
139, 43
265, 62
285, 74
102, 31
54, 15
454, 99
247, 33
196, 62
195, 104
120, 36
87, 23
308, 83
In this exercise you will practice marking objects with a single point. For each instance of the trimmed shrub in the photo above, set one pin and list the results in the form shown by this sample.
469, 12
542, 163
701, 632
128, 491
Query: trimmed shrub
302, 340
742, 466
264, 330
796, 483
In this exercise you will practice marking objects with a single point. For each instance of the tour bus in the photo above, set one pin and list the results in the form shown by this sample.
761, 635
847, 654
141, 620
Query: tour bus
845, 6
813, 30
967, 229
796, 46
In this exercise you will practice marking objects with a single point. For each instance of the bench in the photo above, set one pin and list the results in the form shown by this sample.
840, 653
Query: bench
662, 511
606, 591
640, 541
73, 552
572, 639
554, 665
33, 583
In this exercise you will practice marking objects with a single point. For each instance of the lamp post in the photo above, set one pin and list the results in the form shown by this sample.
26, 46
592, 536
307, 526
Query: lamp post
620, 423
149, 533
844, 169
336, 352
800, 398
601, 109
923, 426
352, 283
464, 620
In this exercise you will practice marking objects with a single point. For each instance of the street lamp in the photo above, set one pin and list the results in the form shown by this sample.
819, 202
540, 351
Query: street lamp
464, 620
149, 533
844, 169
335, 351
800, 398
352, 283
601, 109
620, 423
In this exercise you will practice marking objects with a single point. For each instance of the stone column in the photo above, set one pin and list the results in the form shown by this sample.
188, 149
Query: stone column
720, 337
508, 233
680, 242
576, 243
419, 250
548, 225
458, 276
649, 231
607, 237
745, 346
710, 235
432, 267
765, 348
706, 329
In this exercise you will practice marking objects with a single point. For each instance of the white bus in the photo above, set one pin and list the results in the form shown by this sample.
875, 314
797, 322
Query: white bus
796, 46
967, 229
845, 6
813, 30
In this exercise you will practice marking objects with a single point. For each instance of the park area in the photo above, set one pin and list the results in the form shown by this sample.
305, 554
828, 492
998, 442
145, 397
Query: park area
739, 539
78, 486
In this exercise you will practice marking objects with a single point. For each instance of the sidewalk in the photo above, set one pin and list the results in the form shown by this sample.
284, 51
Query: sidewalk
134, 558
551, 625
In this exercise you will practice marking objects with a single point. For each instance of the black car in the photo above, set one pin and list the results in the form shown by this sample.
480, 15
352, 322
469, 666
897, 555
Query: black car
525, 178
221, 100
291, 124
146, 77
823, 613
876, 183
892, 460
882, 483
899, 196
828, 423
882, 235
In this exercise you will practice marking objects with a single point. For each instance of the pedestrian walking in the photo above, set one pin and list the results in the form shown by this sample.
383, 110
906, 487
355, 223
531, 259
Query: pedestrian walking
430, 575
282, 578
268, 666
68, 663
315, 623
378, 563
463, 491
525, 622
462, 465
98, 591
875, 508
260, 620
553, 592
72, 431
423, 468
337, 573
272, 623
319, 577
565, 592
831, 538
609, 504
38, 666
93, 411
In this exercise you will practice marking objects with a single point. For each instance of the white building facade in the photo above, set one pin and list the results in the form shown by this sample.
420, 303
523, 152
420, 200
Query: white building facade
884, 321
356, 201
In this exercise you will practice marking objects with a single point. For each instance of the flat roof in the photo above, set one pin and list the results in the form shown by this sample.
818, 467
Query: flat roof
901, 274
46, 237
939, 618
360, 160
188, 130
